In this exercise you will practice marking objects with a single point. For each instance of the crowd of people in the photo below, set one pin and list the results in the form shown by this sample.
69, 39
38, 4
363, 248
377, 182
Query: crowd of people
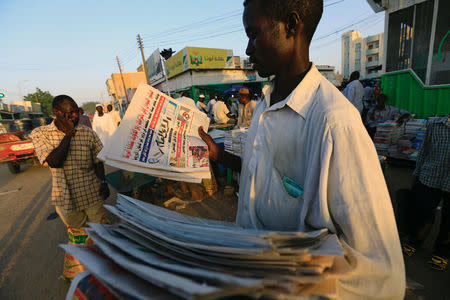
225, 110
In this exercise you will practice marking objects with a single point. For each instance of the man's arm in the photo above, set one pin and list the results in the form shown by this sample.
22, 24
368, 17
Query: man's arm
216, 154
361, 212
99, 170
58, 155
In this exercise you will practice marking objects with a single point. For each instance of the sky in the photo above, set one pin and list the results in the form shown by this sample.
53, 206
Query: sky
70, 46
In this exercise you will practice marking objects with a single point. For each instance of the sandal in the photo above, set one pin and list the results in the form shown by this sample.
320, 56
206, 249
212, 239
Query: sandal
408, 250
438, 263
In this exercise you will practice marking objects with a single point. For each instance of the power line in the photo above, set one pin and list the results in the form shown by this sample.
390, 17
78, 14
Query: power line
186, 27
342, 28
197, 39
339, 38
204, 33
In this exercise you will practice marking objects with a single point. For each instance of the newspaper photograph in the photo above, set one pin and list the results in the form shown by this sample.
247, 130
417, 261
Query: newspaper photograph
159, 132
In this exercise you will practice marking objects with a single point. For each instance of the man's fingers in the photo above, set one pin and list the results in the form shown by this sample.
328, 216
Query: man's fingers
203, 134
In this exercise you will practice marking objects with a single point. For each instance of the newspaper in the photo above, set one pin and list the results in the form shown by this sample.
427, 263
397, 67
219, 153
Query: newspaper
103, 268
156, 248
235, 141
160, 134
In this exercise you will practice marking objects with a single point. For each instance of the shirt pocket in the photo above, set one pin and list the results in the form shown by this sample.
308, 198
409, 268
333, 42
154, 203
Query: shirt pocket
80, 155
275, 208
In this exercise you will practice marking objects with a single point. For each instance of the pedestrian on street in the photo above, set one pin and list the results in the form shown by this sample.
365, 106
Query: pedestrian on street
209, 107
114, 114
84, 120
103, 124
304, 131
200, 103
79, 186
354, 91
245, 108
432, 184
221, 112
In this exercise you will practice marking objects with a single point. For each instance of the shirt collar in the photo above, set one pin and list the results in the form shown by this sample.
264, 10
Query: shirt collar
299, 99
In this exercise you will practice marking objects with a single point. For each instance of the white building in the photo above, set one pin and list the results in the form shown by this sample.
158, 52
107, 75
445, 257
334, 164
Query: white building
329, 73
362, 54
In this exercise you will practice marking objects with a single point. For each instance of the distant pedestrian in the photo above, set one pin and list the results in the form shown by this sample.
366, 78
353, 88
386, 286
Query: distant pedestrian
221, 113
381, 113
200, 103
78, 177
103, 124
114, 114
209, 107
354, 91
246, 107
84, 120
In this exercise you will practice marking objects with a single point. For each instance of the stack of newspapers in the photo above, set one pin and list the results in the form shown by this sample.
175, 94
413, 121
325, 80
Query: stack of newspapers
235, 141
155, 253
159, 136
385, 135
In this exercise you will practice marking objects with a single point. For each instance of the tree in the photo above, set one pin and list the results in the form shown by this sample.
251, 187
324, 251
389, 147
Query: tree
42, 97
89, 107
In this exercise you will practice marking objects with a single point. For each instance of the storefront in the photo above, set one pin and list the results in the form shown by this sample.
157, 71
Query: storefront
416, 58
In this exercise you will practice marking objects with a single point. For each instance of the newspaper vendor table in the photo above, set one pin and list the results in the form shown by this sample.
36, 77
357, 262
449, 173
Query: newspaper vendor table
400, 143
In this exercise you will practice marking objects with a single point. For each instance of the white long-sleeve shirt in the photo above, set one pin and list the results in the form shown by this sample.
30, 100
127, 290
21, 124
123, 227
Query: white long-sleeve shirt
316, 137
354, 92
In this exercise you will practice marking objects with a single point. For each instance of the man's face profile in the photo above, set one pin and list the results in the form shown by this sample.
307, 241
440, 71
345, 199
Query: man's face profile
263, 39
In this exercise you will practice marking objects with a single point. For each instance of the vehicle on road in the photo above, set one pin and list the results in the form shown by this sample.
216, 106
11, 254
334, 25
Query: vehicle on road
16, 150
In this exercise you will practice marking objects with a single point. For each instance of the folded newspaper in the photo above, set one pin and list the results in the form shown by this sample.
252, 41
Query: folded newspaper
157, 253
235, 141
159, 136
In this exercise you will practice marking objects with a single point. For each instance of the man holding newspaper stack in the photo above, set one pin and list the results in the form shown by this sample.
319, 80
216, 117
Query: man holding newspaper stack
308, 161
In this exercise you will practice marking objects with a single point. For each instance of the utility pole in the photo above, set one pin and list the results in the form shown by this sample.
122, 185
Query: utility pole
143, 58
123, 81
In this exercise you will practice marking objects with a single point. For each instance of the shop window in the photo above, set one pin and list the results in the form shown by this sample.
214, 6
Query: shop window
422, 33
399, 39
440, 66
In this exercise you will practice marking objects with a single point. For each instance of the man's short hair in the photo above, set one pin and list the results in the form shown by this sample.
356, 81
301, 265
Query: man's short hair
185, 94
355, 75
58, 100
310, 12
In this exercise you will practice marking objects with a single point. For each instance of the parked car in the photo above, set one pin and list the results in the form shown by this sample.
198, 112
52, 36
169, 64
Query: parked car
16, 150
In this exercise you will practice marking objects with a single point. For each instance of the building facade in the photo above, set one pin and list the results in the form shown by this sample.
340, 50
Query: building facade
115, 85
417, 55
417, 38
361, 54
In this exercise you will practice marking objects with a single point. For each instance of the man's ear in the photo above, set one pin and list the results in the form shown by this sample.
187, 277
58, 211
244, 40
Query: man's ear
55, 111
293, 24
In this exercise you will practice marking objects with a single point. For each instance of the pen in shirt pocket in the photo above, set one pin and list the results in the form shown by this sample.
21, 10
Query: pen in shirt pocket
291, 187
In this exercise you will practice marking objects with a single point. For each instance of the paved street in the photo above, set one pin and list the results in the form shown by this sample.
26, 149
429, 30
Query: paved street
31, 263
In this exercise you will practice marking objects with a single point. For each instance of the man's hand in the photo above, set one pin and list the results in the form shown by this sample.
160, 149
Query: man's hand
213, 148
65, 124
104, 190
